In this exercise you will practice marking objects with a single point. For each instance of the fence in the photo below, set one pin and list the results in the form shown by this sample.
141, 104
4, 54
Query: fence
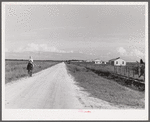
129, 71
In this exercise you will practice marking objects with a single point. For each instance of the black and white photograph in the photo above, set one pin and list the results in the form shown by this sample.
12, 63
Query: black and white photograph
75, 60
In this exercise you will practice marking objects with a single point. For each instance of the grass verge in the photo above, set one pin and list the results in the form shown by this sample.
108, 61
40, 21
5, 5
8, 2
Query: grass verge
15, 69
105, 89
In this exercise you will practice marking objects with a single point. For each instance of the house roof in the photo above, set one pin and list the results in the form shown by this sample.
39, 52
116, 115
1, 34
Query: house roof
97, 60
114, 59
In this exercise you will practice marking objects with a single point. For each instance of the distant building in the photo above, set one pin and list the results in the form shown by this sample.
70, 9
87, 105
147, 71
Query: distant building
88, 60
97, 61
117, 62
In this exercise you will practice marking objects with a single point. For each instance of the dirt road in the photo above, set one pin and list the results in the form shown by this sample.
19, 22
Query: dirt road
52, 88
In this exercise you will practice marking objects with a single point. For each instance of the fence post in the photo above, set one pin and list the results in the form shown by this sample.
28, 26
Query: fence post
117, 70
128, 71
120, 70
138, 71
124, 70
133, 71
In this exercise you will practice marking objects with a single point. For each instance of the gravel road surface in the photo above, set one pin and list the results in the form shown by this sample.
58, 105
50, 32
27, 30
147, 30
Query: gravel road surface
52, 88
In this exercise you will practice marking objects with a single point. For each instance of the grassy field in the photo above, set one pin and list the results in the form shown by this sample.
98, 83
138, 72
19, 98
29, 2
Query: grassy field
15, 69
130, 70
105, 89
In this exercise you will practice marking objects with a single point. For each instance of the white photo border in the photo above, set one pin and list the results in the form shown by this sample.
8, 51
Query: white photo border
74, 114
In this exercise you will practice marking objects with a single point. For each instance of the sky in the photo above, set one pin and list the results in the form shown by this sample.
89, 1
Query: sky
62, 32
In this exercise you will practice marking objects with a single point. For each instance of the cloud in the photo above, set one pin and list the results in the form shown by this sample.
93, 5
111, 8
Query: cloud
80, 52
121, 51
137, 53
39, 48
92, 54
108, 53
133, 52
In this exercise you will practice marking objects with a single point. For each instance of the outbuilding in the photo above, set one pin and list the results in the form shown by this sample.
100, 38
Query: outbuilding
97, 61
117, 62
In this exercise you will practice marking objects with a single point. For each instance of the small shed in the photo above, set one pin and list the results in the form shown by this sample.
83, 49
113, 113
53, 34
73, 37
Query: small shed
88, 61
117, 62
97, 61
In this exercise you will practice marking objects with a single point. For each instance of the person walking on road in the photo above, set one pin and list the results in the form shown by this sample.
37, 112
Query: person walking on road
30, 66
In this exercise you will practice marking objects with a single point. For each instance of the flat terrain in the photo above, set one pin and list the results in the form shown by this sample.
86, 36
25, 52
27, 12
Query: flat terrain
130, 70
106, 89
50, 88
54, 88
15, 69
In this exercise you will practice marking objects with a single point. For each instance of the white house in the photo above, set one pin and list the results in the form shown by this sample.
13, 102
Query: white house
97, 61
117, 62
88, 61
